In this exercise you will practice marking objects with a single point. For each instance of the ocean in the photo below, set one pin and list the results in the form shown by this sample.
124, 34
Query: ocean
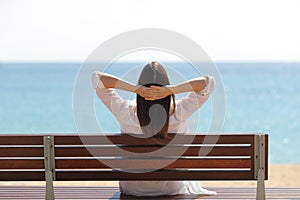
260, 97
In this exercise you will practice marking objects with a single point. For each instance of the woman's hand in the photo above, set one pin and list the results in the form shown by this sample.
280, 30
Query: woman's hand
144, 92
153, 93
158, 92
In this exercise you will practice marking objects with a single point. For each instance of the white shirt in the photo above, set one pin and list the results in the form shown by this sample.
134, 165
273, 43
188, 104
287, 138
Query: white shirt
125, 113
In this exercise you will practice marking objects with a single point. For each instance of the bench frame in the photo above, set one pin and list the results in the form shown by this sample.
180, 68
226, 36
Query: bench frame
259, 165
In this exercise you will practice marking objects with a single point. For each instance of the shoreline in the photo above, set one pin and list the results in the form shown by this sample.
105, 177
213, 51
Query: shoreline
280, 175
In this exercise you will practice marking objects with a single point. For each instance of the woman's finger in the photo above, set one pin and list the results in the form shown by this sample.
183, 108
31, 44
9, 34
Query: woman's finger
155, 87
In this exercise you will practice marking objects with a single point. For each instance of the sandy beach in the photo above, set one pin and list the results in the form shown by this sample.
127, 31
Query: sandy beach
280, 175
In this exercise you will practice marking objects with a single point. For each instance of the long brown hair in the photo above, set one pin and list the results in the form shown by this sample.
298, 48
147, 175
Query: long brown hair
154, 115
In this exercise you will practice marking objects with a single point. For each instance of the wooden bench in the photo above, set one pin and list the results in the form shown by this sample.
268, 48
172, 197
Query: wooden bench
124, 157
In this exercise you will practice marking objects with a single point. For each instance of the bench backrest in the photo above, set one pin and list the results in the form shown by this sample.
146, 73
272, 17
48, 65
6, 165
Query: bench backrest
184, 157
181, 157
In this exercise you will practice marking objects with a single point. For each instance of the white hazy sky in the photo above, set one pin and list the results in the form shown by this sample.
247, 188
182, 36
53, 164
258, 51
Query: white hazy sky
228, 30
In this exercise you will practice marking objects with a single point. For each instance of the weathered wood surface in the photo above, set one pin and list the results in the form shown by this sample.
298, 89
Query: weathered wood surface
234, 193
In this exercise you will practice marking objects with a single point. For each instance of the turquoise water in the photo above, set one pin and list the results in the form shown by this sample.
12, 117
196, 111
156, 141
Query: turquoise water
260, 97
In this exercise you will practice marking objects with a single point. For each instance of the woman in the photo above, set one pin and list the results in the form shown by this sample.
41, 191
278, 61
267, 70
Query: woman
154, 113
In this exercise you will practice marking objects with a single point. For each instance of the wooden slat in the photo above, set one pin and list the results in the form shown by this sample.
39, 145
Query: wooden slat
61, 192
130, 140
22, 152
22, 176
157, 175
21, 139
114, 151
153, 163
22, 164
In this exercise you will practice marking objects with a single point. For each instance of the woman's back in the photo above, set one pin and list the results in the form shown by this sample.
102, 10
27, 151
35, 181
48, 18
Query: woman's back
139, 117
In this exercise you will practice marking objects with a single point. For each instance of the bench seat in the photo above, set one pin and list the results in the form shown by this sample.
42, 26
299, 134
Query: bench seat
236, 193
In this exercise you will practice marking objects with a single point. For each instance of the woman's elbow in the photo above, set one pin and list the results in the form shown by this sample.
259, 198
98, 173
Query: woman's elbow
199, 85
95, 80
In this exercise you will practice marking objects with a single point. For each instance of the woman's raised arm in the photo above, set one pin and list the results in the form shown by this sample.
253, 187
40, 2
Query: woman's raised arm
194, 85
110, 81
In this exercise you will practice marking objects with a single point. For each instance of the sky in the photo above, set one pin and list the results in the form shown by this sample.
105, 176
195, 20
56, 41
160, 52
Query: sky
69, 30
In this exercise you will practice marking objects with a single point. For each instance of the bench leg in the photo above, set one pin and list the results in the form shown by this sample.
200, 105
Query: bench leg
260, 189
49, 166
49, 186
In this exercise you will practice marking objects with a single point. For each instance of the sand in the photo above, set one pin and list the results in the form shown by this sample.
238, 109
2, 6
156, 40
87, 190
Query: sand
287, 175
279, 176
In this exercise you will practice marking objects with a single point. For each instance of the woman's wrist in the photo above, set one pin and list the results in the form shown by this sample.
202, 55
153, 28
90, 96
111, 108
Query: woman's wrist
170, 89
138, 89
135, 88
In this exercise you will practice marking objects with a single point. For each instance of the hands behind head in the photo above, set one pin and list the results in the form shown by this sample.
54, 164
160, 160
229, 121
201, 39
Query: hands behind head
154, 92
